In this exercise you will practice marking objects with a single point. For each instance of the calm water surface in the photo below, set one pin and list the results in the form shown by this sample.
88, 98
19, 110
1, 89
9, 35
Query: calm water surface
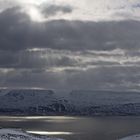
76, 128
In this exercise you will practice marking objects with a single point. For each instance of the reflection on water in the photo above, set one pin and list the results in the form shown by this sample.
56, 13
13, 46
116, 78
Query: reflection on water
54, 119
40, 117
76, 128
50, 133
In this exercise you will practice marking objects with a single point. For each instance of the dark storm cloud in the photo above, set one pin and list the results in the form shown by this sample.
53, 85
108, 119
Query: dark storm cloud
29, 78
18, 32
14, 27
32, 60
76, 35
115, 78
68, 54
53, 10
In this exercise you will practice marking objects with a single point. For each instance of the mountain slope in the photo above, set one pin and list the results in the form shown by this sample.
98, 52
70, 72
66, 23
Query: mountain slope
84, 102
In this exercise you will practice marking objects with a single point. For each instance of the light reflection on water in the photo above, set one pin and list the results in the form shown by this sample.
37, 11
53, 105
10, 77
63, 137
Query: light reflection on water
54, 119
51, 119
39, 117
50, 133
75, 128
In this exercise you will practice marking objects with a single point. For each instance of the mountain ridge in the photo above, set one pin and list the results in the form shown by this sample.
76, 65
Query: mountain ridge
76, 102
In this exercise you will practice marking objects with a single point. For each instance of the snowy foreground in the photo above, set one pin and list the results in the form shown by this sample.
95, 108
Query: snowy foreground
134, 137
17, 134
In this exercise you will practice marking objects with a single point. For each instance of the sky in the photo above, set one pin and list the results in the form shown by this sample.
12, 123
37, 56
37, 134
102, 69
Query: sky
68, 44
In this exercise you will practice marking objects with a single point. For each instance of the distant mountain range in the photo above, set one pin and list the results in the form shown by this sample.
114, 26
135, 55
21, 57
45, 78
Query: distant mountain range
79, 102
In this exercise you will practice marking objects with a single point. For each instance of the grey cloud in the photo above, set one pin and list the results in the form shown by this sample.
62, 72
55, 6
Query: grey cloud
122, 78
4, 4
106, 78
60, 60
19, 32
29, 78
71, 54
35, 60
53, 10
14, 27
137, 5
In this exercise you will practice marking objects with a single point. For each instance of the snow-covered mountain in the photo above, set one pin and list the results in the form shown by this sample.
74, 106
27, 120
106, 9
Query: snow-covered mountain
80, 102
17, 134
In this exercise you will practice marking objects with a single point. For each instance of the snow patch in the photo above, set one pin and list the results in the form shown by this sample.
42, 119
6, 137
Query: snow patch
134, 137
18, 134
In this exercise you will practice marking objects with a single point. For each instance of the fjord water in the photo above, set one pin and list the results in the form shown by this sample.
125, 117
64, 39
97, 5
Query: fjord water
76, 128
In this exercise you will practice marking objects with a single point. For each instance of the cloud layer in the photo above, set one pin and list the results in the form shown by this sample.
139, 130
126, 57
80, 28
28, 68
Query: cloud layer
101, 10
69, 54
